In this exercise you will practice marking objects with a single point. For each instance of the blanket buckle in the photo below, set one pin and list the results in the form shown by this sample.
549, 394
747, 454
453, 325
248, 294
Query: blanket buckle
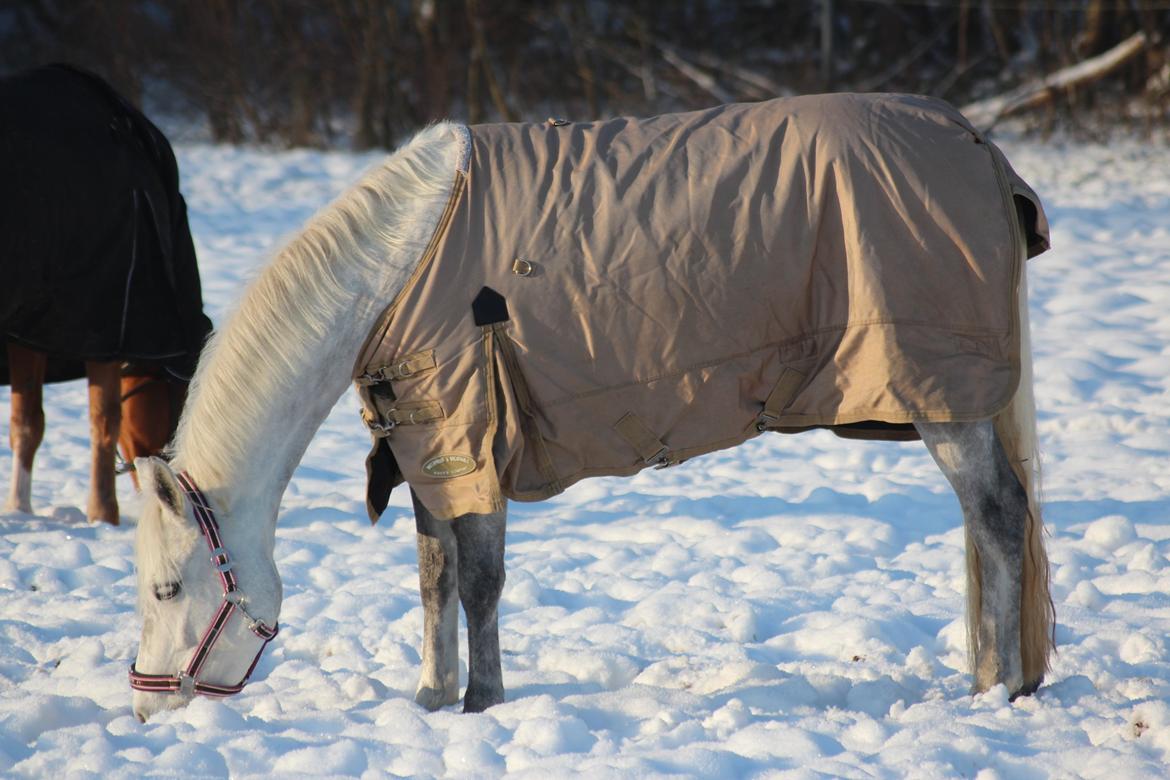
658, 460
778, 400
764, 421
379, 429
371, 377
663, 459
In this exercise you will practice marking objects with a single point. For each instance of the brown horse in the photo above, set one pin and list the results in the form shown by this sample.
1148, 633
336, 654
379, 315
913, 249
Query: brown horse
99, 270
133, 407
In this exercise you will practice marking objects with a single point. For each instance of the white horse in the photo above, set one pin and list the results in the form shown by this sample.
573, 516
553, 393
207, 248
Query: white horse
273, 372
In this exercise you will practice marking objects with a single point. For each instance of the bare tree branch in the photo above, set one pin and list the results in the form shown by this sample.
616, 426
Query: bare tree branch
985, 113
702, 79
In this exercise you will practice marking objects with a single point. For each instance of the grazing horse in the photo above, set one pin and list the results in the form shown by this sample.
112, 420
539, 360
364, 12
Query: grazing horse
99, 271
525, 305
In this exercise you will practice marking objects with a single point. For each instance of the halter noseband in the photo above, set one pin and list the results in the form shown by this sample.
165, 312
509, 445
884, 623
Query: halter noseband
187, 680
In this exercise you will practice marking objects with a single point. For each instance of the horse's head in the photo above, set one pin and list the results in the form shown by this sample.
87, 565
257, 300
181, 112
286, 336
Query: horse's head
209, 595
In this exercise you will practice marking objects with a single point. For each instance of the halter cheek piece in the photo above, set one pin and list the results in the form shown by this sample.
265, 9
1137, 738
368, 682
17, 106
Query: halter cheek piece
187, 680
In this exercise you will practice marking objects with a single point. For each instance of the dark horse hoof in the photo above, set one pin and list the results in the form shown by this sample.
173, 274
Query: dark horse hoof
478, 701
1027, 690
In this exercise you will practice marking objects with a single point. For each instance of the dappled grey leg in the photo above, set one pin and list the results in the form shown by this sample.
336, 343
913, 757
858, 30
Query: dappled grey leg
481, 580
438, 683
995, 507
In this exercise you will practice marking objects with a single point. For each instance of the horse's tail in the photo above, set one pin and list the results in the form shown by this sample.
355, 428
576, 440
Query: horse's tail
1016, 428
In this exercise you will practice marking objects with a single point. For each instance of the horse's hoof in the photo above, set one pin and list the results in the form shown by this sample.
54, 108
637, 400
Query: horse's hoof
103, 513
476, 701
1027, 689
433, 699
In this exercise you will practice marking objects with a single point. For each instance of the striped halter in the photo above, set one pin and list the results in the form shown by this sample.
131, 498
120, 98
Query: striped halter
187, 680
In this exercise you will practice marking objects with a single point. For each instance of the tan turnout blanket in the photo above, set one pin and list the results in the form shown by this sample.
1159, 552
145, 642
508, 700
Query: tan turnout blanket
604, 296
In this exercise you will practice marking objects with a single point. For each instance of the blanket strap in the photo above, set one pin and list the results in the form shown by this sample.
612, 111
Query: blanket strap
399, 368
403, 413
639, 436
782, 394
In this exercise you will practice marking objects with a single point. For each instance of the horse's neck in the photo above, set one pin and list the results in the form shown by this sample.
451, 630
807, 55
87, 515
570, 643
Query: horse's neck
271, 377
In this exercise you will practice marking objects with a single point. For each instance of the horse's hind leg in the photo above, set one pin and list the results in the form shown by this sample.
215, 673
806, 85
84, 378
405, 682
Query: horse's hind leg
105, 417
995, 507
438, 683
26, 370
481, 580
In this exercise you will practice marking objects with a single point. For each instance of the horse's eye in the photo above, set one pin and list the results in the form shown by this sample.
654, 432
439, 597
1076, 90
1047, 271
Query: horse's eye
167, 590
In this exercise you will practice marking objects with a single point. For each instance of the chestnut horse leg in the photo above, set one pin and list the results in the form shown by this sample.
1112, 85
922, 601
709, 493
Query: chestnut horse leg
149, 415
26, 371
105, 417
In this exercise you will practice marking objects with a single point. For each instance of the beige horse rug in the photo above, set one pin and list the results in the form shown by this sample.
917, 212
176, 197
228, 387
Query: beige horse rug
601, 297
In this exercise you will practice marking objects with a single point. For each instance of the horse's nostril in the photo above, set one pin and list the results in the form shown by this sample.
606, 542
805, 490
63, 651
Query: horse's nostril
140, 716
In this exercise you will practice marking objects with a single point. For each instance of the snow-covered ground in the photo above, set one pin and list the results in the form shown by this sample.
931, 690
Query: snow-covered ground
789, 608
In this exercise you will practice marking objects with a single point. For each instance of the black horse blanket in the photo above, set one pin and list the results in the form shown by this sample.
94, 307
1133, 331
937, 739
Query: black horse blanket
96, 259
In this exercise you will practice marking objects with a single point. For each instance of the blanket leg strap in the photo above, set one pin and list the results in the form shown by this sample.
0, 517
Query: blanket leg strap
639, 436
782, 394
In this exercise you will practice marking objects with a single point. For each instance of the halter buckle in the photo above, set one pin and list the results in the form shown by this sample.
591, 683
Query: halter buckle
221, 560
121, 465
186, 684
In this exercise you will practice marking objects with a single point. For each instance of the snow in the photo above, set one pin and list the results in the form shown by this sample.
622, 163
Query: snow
789, 608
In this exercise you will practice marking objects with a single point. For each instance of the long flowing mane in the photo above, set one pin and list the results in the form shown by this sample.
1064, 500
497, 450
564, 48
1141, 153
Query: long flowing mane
377, 230
368, 240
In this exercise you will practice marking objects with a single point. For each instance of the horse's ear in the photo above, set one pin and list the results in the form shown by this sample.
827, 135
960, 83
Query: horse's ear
156, 477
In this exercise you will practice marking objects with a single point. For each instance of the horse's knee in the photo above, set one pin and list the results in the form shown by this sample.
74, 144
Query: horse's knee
436, 572
481, 563
27, 415
480, 584
26, 432
480, 588
437, 554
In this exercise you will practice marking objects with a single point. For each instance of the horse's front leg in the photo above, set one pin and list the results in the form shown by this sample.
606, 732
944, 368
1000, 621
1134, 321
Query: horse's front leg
995, 507
481, 580
26, 375
438, 683
105, 419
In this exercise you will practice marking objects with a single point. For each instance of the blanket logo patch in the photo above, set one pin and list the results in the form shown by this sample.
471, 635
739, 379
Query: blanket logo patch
449, 466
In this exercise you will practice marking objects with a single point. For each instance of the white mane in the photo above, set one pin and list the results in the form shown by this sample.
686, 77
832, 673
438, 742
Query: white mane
290, 323
376, 229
